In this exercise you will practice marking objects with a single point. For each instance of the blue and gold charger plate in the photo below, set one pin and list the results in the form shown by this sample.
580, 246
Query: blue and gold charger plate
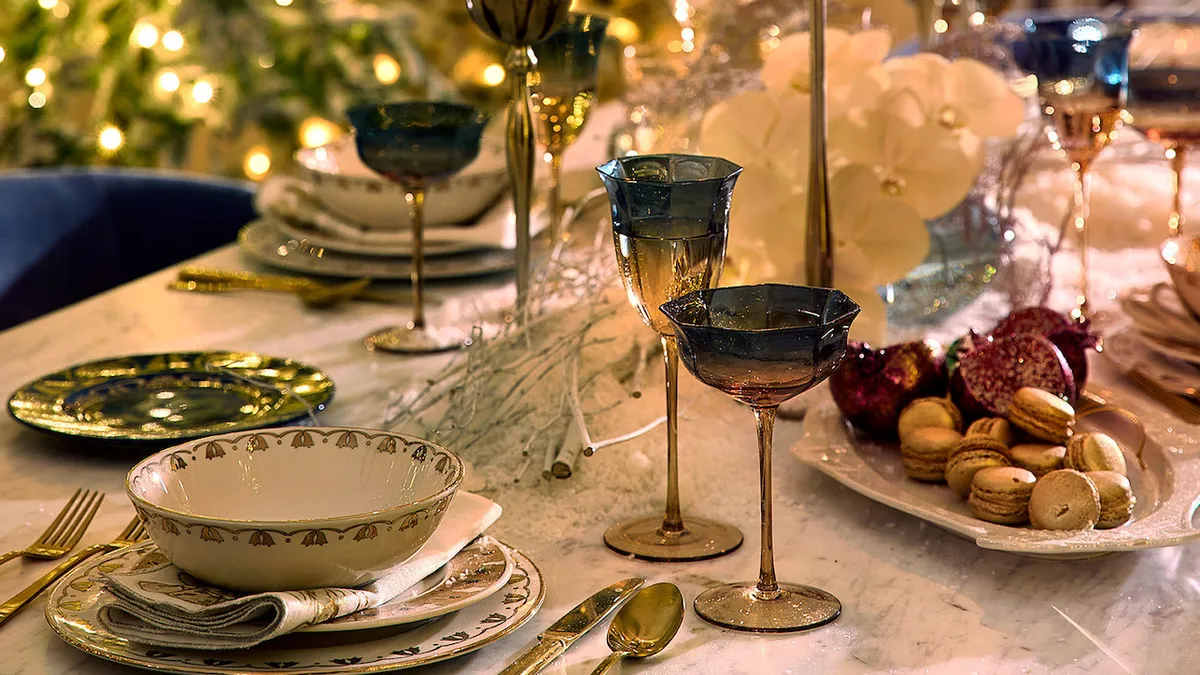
169, 397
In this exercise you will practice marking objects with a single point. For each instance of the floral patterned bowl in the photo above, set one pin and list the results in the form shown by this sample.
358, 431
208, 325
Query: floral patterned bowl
347, 187
294, 508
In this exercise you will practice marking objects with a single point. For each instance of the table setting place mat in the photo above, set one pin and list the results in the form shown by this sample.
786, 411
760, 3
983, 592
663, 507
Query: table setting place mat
156, 603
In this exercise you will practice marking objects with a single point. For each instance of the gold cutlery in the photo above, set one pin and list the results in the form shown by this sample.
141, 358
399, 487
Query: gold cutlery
132, 534
645, 625
62, 534
554, 640
312, 293
1181, 407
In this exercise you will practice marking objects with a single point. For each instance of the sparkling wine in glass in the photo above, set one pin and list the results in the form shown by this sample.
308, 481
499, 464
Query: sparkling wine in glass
561, 93
763, 345
670, 217
1163, 94
1081, 64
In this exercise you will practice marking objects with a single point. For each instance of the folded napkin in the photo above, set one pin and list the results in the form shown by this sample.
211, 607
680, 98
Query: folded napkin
292, 201
162, 605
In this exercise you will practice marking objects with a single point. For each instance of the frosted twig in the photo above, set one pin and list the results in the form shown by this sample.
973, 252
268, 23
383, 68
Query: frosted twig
1091, 637
639, 369
568, 453
598, 445
262, 384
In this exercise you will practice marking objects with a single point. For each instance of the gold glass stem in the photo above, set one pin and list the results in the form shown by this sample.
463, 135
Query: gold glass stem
554, 198
818, 238
673, 521
520, 150
1082, 194
416, 211
764, 418
1178, 163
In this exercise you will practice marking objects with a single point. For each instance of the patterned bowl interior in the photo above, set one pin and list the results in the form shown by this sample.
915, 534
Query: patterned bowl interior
301, 473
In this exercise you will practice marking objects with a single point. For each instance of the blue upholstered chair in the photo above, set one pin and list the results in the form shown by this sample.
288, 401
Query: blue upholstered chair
67, 234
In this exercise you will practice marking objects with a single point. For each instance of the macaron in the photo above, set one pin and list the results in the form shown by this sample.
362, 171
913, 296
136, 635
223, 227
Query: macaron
1064, 500
1001, 495
931, 411
996, 427
973, 454
1038, 458
1116, 498
1042, 415
1094, 452
924, 452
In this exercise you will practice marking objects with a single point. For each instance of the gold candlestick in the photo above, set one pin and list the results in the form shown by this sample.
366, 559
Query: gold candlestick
818, 239
519, 24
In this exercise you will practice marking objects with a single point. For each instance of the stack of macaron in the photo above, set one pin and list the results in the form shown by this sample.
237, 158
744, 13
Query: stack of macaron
1031, 467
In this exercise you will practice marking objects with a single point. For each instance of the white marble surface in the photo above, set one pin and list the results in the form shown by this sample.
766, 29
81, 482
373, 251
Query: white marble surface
917, 600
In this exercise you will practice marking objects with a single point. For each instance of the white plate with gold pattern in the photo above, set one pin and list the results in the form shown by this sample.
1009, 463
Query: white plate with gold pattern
478, 571
1167, 490
71, 611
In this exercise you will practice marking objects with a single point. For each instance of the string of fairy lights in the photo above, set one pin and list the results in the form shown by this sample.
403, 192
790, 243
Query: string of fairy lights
193, 89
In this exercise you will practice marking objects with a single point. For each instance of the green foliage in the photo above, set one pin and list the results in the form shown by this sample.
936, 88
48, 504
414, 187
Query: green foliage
271, 67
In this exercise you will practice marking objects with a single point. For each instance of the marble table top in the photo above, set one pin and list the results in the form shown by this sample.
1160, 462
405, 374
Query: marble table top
917, 599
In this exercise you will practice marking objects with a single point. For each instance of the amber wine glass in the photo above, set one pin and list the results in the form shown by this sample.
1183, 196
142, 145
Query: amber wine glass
670, 216
561, 93
1163, 94
763, 345
1081, 65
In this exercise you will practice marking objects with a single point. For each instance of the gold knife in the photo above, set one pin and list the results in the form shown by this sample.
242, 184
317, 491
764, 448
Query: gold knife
554, 640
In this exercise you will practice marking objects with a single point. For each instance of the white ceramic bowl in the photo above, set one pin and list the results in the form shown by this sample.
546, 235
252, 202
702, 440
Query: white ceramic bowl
344, 184
1182, 257
296, 507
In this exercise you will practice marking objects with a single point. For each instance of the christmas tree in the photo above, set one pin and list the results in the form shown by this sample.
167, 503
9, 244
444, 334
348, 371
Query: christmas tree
221, 86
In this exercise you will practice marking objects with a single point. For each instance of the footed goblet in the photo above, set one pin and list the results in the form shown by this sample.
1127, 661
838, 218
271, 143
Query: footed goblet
1081, 64
670, 216
763, 345
563, 87
415, 144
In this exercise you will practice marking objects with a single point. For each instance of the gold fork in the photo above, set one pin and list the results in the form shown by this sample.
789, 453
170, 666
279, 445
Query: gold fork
132, 534
62, 534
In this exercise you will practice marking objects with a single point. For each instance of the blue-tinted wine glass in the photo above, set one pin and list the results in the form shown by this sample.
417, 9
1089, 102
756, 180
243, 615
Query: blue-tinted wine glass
763, 345
670, 216
562, 91
416, 144
1081, 65
1163, 93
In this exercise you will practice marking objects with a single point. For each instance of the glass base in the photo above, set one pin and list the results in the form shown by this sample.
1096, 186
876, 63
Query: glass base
409, 340
701, 539
743, 607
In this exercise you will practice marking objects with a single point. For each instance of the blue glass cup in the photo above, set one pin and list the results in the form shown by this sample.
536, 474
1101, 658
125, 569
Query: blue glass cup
1081, 63
1162, 95
415, 144
763, 345
561, 93
670, 216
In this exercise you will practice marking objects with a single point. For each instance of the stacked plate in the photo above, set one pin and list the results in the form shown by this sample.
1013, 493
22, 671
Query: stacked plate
340, 219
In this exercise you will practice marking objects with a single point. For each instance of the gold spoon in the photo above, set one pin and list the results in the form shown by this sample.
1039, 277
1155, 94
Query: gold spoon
645, 625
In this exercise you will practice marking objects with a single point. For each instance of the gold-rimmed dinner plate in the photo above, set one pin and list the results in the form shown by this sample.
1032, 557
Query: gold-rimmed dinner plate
171, 396
478, 571
71, 610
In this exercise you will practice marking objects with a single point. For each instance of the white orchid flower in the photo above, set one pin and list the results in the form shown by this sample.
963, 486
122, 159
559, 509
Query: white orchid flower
761, 128
913, 158
853, 77
959, 94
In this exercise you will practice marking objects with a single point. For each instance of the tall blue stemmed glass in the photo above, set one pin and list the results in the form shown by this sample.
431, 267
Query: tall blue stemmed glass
1163, 93
1081, 65
415, 144
670, 216
763, 345
562, 89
